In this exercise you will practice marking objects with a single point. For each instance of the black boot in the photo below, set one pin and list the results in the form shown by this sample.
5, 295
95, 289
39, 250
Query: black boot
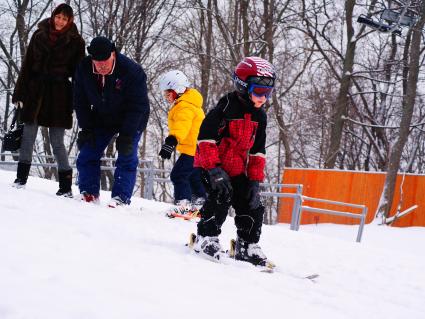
250, 252
21, 175
65, 183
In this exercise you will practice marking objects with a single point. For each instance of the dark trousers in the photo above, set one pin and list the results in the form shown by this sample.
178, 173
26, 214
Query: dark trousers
88, 165
56, 135
248, 221
186, 179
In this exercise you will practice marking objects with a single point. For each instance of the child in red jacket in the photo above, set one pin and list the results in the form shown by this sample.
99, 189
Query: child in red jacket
231, 152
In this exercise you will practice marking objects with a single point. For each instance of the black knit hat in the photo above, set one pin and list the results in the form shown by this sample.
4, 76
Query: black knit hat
100, 48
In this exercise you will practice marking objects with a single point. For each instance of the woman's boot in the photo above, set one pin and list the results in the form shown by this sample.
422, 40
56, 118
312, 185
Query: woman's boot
21, 175
65, 183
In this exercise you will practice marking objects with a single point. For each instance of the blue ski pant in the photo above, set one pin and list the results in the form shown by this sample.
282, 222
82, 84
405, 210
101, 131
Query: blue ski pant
186, 179
88, 166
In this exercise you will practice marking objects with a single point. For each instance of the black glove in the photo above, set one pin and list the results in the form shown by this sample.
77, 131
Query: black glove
253, 194
124, 144
86, 136
168, 147
220, 183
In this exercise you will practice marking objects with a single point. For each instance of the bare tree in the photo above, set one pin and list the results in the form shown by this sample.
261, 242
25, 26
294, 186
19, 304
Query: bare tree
27, 15
408, 104
331, 106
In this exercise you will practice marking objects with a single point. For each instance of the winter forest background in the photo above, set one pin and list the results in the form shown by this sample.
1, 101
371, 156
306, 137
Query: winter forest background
347, 97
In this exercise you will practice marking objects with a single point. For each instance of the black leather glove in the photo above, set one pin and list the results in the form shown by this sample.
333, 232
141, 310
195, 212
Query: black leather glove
253, 194
168, 147
124, 144
86, 136
220, 183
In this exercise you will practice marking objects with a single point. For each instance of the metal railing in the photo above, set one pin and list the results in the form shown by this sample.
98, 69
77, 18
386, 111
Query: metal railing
149, 171
361, 217
298, 208
149, 178
297, 196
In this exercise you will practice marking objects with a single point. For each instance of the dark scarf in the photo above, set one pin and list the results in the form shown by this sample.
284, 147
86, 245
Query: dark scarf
55, 34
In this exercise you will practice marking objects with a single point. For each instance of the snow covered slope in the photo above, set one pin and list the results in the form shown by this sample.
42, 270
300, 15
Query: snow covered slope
63, 259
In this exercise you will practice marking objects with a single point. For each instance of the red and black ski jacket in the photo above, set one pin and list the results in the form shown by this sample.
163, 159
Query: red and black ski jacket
233, 136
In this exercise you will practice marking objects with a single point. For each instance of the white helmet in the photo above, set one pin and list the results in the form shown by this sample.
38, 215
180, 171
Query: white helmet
174, 80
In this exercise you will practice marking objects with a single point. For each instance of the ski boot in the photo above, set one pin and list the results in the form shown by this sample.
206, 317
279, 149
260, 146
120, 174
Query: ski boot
208, 246
197, 203
249, 252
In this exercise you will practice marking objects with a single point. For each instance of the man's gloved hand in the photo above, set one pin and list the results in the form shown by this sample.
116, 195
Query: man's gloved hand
220, 183
124, 144
86, 136
253, 194
19, 104
168, 147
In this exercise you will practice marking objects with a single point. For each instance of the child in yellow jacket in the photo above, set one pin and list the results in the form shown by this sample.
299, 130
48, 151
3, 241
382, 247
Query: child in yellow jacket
184, 121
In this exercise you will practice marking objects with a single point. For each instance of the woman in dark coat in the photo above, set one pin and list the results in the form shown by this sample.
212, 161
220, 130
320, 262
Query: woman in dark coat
44, 91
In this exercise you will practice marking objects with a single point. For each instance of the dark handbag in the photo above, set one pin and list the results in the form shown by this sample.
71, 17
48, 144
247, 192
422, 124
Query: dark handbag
12, 139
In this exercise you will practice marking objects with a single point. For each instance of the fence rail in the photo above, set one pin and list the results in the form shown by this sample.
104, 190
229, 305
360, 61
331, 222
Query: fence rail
298, 208
150, 171
361, 217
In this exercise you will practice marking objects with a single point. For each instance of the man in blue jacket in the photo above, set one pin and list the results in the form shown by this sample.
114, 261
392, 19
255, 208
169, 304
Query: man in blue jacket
110, 98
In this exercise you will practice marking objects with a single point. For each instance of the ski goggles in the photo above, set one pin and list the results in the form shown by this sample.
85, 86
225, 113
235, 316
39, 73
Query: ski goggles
261, 80
260, 90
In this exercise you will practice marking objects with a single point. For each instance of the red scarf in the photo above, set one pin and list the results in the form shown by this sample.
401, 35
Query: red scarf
55, 34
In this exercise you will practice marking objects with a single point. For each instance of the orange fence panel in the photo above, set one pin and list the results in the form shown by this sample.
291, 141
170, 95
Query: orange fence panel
356, 187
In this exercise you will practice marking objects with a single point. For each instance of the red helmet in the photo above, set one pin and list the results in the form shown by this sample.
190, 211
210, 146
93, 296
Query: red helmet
253, 70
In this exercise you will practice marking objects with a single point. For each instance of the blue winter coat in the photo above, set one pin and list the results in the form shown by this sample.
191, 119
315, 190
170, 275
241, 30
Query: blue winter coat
121, 106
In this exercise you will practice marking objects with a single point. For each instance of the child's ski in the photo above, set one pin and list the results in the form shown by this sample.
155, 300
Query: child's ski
230, 254
186, 216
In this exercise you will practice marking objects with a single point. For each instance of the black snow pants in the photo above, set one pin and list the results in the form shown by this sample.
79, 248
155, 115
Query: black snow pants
213, 213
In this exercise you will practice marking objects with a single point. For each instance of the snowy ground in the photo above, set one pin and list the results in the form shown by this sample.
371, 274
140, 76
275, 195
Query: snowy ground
61, 259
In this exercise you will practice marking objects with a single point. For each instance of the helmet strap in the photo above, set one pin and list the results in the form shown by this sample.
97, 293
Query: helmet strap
175, 95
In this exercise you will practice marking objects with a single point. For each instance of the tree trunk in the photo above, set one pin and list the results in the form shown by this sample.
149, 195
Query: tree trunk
269, 7
20, 26
408, 104
341, 105
234, 55
245, 27
205, 57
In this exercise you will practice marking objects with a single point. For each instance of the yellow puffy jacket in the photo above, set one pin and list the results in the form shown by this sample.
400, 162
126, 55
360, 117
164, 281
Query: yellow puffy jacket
185, 119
